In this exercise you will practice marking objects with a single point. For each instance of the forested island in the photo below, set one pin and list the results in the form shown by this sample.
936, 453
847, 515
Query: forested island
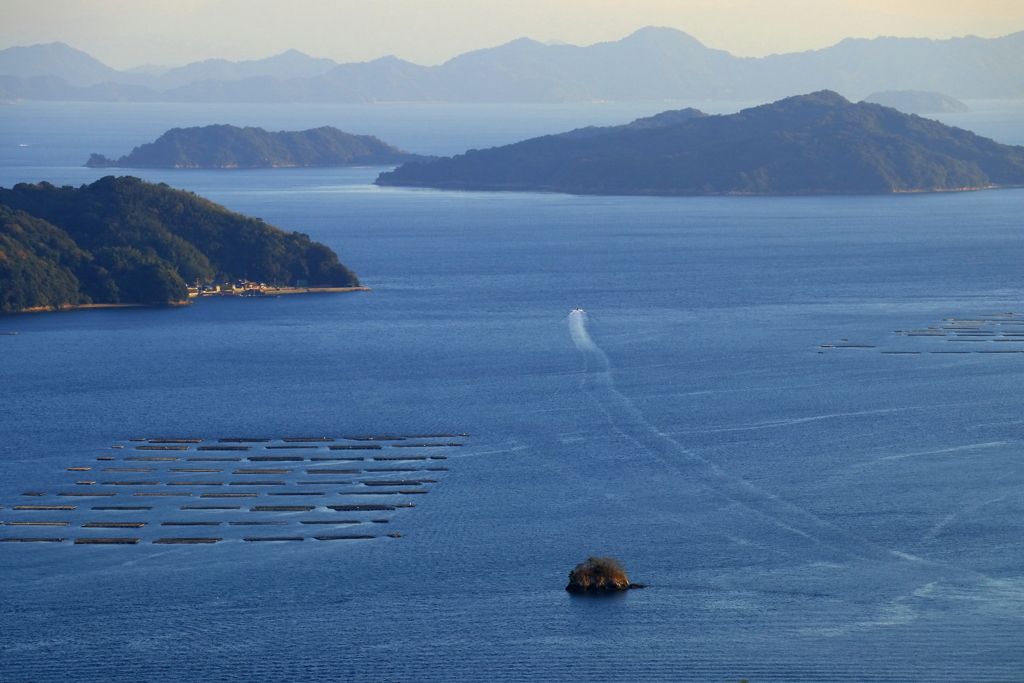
126, 241
819, 143
223, 146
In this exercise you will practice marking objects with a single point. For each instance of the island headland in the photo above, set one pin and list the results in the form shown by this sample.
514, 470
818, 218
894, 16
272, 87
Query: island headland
813, 144
224, 146
124, 241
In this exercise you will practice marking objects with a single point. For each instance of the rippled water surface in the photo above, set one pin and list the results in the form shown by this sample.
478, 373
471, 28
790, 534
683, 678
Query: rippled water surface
798, 512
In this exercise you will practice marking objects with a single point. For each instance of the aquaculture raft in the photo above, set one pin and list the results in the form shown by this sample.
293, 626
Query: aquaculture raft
162, 471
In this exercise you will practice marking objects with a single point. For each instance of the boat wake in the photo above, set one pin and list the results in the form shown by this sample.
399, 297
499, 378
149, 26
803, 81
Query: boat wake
656, 446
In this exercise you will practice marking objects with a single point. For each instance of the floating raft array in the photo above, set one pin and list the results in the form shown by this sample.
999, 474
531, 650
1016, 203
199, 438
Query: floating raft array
87, 495
330, 521
162, 494
333, 471
367, 493
351, 537
254, 523
153, 465
986, 328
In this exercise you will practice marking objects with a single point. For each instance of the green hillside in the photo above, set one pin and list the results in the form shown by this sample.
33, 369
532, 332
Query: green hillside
225, 146
812, 144
122, 240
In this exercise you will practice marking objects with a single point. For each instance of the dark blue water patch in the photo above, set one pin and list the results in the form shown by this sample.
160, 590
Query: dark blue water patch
797, 516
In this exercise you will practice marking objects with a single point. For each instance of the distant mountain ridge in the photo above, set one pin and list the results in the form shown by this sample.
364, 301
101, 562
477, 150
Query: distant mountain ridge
224, 146
652, 64
811, 144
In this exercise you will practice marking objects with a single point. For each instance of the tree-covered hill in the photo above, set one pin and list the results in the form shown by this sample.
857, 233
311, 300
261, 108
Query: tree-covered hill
123, 240
224, 146
811, 144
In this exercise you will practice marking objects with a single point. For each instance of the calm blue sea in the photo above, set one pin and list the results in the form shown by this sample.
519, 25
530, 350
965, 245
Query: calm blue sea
799, 512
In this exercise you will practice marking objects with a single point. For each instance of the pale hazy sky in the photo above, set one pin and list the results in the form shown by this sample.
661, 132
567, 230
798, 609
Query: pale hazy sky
125, 33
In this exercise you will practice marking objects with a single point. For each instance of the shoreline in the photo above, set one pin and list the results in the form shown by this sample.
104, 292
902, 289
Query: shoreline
187, 302
275, 291
75, 307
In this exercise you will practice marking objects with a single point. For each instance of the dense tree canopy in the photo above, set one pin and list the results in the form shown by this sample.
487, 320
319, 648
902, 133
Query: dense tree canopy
224, 146
812, 144
122, 240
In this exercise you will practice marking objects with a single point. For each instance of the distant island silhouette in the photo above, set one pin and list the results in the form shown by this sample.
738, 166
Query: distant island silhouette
224, 146
126, 241
918, 102
819, 143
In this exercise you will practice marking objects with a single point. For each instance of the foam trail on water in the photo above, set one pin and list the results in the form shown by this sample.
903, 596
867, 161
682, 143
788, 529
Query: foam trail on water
653, 444
580, 336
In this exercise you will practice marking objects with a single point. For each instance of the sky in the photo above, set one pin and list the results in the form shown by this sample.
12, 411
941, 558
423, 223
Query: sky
127, 33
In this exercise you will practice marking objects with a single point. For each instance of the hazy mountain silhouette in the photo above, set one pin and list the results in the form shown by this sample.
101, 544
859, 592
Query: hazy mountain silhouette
652, 64
58, 60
